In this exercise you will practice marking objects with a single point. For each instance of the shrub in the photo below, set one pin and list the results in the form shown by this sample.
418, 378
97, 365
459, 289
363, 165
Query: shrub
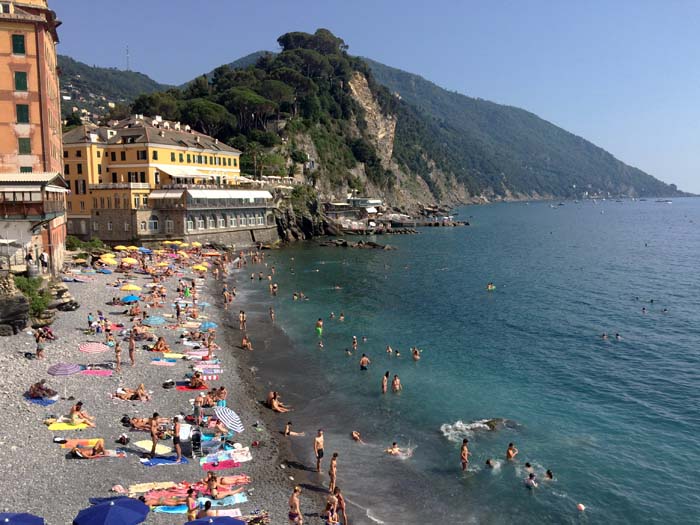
38, 297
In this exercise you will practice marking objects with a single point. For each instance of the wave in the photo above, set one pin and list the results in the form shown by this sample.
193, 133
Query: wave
459, 430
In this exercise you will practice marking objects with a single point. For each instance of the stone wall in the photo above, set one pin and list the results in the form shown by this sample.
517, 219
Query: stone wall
14, 307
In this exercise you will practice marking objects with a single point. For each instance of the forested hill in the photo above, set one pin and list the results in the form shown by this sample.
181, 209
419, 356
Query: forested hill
513, 148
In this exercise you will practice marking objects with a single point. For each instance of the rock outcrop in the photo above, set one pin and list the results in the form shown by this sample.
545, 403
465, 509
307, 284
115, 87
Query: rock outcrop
14, 307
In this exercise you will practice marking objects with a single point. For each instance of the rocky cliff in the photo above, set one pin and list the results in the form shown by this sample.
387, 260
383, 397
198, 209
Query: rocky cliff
14, 307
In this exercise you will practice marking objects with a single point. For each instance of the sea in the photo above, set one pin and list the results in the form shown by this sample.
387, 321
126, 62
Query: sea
616, 419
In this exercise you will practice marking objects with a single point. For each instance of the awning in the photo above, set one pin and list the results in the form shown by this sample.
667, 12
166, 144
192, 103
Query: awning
56, 189
166, 194
371, 209
189, 172
20, 188
229, 194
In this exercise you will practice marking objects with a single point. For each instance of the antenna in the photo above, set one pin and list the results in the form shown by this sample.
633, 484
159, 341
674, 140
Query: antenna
127, 58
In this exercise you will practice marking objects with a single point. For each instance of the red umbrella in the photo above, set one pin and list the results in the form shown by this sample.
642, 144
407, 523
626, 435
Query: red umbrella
93, 348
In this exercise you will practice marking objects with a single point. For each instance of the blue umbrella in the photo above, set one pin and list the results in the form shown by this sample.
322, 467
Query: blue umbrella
105, 271
207, 325
155, 320
218, 520
145, 250
130, 299
16, 518
117, 512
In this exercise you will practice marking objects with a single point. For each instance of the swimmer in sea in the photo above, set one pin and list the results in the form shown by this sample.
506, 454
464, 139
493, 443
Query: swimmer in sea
389, 350
364, 362
644, 310
342, 317
320, 344
464, 454
511, 452
397, 353
528, 467
618, 337
549, 475
332, 316
385, 382
604, 336
348, 351
489, 463
396, 385
354, 342
394, 450
356, 437
416, 354
531, 481
364, 339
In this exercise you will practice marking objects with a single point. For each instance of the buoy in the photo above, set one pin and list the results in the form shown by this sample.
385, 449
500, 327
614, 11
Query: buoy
581, 507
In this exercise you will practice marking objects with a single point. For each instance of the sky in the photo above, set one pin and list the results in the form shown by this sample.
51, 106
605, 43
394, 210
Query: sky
624, 74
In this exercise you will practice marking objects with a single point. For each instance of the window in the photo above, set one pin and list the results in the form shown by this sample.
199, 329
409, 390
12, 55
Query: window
70, 207
231, 221
80, 168
79, 153
190, 224
137, 201
25, 169
141, 154
109, 202
142, 176
199, 159
94, 202
235, 162
65, 154
145, 201
181, 156
157, 176
211, 223
83, 183
172, 156
155, 154
102, 202
143, 226
117, 202
222, 222
5, 8
153, 223
18, 45
99, 169
99, 154
113, 156
169, 226
25, 146
188, 158
205, 159
66, 169
122, 155
109, 226
20, 81
22, 113
82, 205
260, 220
96, 226
126, 226
211, 160
200, 222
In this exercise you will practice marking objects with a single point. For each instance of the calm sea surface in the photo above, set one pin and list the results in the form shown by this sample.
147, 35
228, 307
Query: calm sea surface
618, 421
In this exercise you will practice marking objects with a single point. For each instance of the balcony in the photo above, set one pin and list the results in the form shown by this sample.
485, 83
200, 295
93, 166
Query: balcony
164, 204
121, 186
31, 210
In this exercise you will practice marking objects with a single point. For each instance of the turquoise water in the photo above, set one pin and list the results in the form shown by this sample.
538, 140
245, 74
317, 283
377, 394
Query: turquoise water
617, 420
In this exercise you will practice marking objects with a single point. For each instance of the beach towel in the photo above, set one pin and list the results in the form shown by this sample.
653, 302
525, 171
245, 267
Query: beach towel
169, 460
173, 355
240, 455
232, 513
109, 454
197, 352
185, 387
152, 485
174, 509
161, 362
221, 465
146, 445
100, 373
66, 426
195, 344
42, 402
209, 371
84, 443
233, 499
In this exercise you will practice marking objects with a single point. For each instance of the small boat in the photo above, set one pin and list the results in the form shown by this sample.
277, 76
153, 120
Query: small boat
664, 201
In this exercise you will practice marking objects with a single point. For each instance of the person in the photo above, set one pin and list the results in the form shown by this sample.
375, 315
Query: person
176, 439
318, 449
356, 437
333, 472
153, 429
528, 466
98, 450
129, 394
197, 408
531, 481
161, 345
276, 405
331, 511
212, 484
90, 320
132, 347
618, 337
246, 343
40, 390
341, 504
29, 259
118, 355
489, 463
295, 517
389, 350
221, 396
289, 432
416, 354
385, 382
396, 385
511, 452
393, 450
319, 327
364, 362
78, 415
192, 504
354, 342
272, 314
242, 320
197, 382
464, 454
44, 259
206, 511
549, 475
341, 317
40, 345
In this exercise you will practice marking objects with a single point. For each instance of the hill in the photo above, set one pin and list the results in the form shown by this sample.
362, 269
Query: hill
94, 88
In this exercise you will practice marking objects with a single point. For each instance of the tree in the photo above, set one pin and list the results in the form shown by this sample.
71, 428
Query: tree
279, 92
72, 121
160, 103
198, 88
206, 116
251, 109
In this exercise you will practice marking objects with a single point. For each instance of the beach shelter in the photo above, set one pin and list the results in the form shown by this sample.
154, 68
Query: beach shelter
145, 250
130, 299
132, 248
130, 288
127, 511
20, 518
196, 244
120, 248
129, 260
93, 348
207, 325
217, 520
64, 369
109, 261
229, 418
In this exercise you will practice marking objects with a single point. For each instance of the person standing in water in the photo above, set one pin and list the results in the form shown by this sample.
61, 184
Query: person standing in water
319, 327
511, 452
364, 362
333, 472
295, 517
396, 385
318, 449
464, 454
272, 314
385, 382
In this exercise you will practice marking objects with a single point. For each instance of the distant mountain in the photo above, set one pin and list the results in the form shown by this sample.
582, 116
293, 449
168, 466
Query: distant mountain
93, 88
513, 150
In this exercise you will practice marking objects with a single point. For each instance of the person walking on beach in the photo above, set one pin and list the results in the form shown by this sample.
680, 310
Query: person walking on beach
364, 362
295, 517
272, 314
118, 355
464, 454
511, 452
132, 347
385, 382
241, 320
153, 429
396, 385
333, 472
318, 449
340, 504
176, 439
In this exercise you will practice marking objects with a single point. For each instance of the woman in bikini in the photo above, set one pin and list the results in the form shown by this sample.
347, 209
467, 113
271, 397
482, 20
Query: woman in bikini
192, 505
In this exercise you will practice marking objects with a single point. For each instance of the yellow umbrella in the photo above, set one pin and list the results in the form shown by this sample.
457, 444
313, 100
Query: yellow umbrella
107, 256
120, 248
163, 264
183, 245
129, 260
205, 263
159, 252
132, 248
183, 254
110, 262
199, 268
130, 288
197, 244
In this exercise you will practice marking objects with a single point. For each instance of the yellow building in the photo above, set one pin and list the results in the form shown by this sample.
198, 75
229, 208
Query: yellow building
30, 125
113, 171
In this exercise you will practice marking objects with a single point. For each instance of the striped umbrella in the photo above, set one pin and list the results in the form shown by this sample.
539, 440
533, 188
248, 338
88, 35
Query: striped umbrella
93, 348
229, 418
64, 369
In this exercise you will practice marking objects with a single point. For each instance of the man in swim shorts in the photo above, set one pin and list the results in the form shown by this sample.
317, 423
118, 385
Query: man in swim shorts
364, 362
295, 517
318, 449
464, 454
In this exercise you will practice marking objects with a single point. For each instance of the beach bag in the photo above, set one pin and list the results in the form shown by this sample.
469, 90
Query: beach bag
123, 439
169, 384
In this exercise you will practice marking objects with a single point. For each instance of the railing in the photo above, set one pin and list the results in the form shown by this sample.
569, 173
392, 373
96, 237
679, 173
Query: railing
121, 186
31, 209
162, 204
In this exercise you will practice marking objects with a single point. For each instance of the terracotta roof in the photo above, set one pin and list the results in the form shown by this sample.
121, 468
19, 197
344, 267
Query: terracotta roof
32, 178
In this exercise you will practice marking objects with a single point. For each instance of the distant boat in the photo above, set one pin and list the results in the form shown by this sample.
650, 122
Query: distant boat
560, 204
642, 200
664, 201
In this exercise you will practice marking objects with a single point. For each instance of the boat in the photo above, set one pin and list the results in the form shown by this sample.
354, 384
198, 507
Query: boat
664, 201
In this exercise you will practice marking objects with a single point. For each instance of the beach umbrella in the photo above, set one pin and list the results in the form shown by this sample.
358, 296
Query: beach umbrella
207, 325
132, 248
163, 264
109, 262
217, 520
199, 268
93, 347
196, 244
130, 299
143, 249
183, 254
20, 518
130, 288
64, 369
154, 320
211, 254
183, 244
104, 271
79, 261
120, 248
229, 418
129, 260
127, 511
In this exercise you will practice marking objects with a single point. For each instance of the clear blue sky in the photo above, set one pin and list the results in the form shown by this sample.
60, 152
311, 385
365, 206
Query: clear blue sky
624, 74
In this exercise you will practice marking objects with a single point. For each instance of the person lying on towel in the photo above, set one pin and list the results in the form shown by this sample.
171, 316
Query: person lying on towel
88, 453
40, 390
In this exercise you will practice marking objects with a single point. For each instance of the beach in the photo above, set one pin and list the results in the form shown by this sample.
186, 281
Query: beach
42, 479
